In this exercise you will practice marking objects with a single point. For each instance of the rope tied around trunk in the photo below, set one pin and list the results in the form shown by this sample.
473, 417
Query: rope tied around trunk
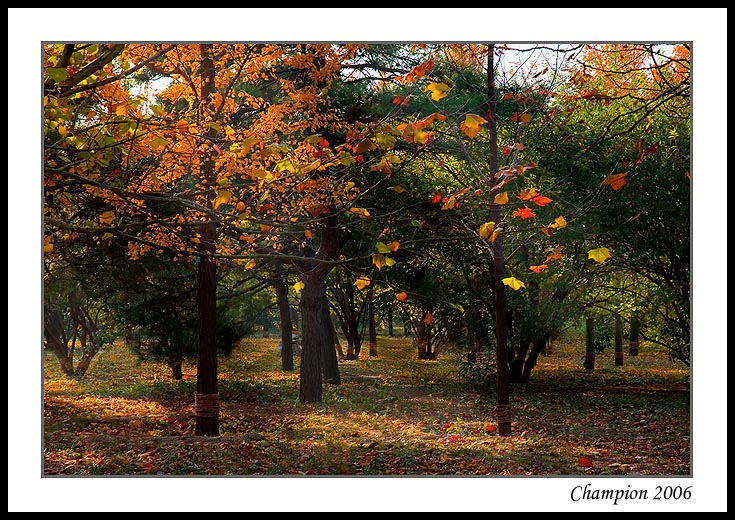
206, 405
503, 412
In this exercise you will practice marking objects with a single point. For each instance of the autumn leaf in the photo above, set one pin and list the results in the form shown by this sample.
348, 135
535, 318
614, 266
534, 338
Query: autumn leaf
48, 246
393, 246
538, 268
429, 318
438, 90
250, 265
599, 255
381, 261
488, 428
106, 218
547, 230
524, 213
527, 193
521, 118
298, 286
501, 198
616, 180
585, 462
487, 229
436, 199
360, 212
398, 189
540, 200
513, 282
362, 282
559, 222
471, 125
401, 296
223, 197
382, 247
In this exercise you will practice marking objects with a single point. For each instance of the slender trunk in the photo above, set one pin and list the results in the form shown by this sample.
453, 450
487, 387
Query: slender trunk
372, 335
501, 331
634, 341
207, 397
618, 341
329, 349
589, 357
177, 371
537, 347
284, 312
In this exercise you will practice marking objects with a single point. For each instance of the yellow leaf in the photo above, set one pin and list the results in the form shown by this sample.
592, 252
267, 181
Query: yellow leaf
106, 218
471, 125
360, 212
48, 246
381, 261
486, 229
298, 286
559, 222
398, 189
501, 198
513, 282
223, 197
599, 255
382, 248
438, 90
362, 282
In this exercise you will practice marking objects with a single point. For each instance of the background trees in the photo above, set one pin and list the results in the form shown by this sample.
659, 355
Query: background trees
422, 170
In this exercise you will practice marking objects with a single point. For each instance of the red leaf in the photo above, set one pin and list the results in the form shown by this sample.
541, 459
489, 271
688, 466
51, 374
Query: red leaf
437, 198
585, 462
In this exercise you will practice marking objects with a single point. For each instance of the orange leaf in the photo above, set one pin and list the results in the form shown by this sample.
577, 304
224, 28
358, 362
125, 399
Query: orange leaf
538, 268
616, 180
540, 200
401, 297
524, 213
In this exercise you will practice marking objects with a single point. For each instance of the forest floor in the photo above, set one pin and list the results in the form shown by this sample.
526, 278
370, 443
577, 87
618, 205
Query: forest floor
391, 415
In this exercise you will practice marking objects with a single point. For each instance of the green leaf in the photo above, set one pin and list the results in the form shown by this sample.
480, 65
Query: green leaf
57, 74
382, 248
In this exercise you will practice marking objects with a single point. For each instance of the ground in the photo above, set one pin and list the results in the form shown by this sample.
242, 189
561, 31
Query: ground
392, 415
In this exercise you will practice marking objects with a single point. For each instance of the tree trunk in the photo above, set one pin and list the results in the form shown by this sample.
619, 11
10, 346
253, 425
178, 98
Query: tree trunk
207, 399
618, 341
589, 356
177, 372
372, 335
329, 349
634, 340
284, 313
501, 331
312, 297
390, 322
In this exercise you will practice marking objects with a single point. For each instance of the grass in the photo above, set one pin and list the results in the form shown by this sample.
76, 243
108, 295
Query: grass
392, 415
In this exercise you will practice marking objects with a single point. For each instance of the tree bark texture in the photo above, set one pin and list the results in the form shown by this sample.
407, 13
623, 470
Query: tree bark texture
589, 356
313, 294
286, 326
207, 398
